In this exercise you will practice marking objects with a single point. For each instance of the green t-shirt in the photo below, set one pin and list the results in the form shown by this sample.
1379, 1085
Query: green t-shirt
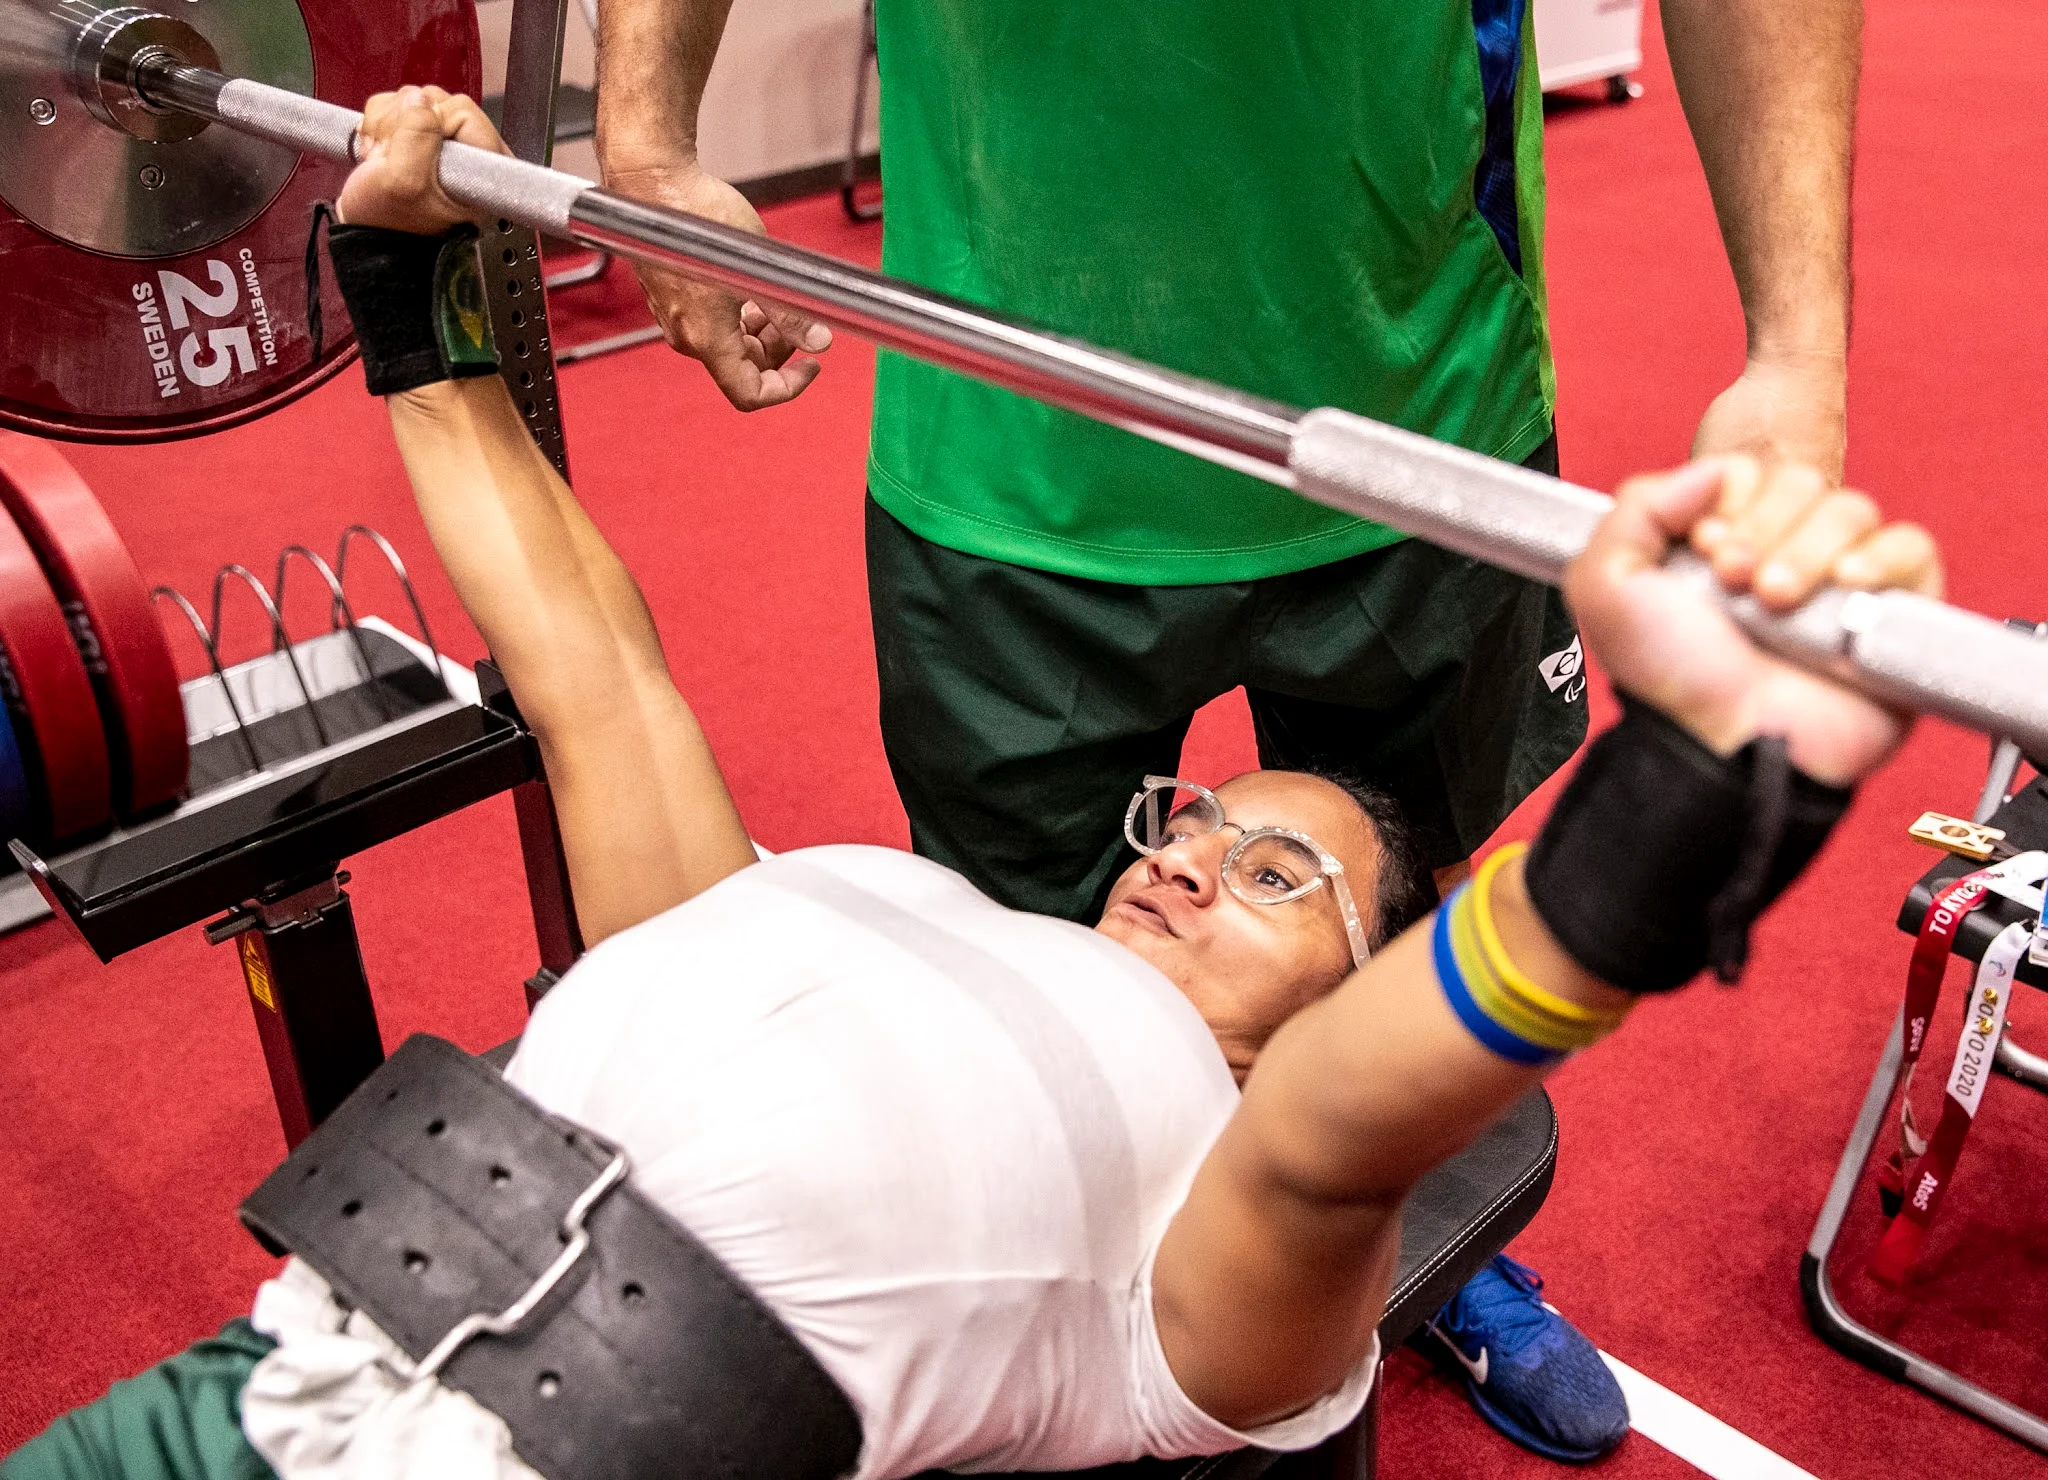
1276, 197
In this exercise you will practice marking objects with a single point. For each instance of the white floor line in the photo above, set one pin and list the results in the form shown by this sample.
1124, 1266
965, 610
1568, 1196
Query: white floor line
1695, 1435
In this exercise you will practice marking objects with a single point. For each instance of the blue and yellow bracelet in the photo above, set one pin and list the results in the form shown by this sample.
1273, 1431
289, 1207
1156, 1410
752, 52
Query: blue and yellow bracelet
1498, 1004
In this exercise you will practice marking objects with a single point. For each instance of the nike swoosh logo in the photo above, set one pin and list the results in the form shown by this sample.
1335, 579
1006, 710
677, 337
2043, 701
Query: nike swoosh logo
1477, 1369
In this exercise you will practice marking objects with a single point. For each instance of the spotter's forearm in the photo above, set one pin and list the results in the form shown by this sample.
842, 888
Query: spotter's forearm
1770, 92
653, 58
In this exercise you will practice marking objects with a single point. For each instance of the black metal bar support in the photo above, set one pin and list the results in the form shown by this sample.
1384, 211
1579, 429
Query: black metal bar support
516, 292
849, 175
303, 967
555, 928
514, 285
533, 72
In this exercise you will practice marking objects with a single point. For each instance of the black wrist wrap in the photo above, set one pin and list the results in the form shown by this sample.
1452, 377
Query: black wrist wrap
417, 304
1660, 854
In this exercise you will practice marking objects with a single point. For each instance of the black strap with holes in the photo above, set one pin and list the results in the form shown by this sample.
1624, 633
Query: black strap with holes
437, 1190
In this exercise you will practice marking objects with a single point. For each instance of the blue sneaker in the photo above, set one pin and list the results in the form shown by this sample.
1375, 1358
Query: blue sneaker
1528, 1370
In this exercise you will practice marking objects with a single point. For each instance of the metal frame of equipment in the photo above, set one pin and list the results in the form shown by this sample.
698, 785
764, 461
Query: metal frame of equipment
858, 210
302, 756
1824, 1310
301, 783
580, 124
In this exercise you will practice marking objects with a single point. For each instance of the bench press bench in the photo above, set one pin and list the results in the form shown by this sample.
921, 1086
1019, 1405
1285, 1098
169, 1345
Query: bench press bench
269, 854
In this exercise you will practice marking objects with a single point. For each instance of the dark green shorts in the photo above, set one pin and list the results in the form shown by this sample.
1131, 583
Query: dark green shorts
180, 1420
1021, 708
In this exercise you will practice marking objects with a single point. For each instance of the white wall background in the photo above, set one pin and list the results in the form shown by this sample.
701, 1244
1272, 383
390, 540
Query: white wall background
780, 97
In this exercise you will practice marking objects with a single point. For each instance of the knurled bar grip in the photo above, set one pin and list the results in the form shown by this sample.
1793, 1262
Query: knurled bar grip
1897, 647
526, 193
1904, 650
1509, 516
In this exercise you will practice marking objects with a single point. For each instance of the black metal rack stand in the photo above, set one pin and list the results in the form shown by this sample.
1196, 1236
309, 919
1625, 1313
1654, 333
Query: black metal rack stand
259, 864
2024, 818
294, 773
851, 170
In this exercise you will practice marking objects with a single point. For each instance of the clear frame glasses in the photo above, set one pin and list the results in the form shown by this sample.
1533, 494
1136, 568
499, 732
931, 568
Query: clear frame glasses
1265, 866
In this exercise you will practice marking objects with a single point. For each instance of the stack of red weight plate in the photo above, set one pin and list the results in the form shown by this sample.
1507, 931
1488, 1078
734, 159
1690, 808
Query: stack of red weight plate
92, 730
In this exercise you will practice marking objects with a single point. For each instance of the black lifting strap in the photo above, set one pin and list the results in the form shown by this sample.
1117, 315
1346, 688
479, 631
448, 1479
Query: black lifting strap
438, 1192
1732, 912
316, 316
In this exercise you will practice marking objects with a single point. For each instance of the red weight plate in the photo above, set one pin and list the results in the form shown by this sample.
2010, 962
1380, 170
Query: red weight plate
118, 636
156, 291
57, 720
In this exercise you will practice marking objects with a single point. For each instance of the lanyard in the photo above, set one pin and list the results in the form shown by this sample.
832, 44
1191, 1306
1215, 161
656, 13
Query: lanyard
2014, 878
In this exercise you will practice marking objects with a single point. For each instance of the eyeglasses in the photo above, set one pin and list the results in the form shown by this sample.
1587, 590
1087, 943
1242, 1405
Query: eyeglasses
1265, 866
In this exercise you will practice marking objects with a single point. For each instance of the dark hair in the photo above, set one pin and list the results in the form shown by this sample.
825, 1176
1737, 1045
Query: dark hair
1406, 891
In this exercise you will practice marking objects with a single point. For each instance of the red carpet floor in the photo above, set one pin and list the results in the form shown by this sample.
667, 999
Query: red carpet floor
1695, 1152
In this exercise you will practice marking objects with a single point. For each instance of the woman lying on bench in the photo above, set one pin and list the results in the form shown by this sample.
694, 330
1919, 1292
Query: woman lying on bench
1037, 1197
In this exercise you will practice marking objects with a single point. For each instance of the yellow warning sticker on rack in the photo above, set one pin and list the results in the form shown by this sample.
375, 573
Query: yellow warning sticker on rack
255, 972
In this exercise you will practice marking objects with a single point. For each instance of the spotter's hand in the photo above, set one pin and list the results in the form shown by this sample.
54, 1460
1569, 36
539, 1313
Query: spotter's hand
1782, 535
396, 183
1788, 409
758, 352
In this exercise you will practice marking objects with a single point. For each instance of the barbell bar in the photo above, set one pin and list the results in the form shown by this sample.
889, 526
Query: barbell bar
1902, 649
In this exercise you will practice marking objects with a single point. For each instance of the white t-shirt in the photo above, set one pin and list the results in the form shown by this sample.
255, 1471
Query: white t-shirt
940, 1138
